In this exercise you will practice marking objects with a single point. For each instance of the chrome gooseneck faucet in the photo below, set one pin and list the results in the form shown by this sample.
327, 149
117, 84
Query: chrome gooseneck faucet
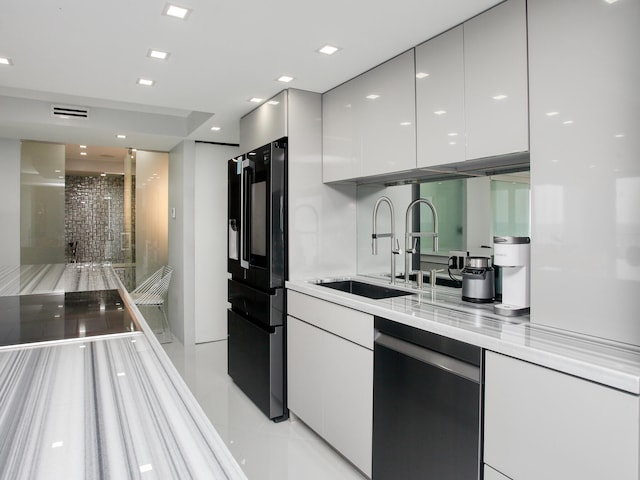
392, 235
411, 249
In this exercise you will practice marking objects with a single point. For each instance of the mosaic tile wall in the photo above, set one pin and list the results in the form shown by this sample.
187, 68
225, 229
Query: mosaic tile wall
87, 204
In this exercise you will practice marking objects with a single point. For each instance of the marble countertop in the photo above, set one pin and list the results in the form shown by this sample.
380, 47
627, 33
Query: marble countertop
102, 407
441, 311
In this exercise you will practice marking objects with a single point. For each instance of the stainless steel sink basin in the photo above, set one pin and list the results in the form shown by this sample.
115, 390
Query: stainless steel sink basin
368, 290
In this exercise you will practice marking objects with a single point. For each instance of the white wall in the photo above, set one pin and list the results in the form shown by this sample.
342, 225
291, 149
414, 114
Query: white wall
322, 218
181, 241
197, 241
9, 202
152, 180
210, 224
42, 203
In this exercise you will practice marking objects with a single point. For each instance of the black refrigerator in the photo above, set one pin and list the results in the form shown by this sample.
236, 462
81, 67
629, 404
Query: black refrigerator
257, 262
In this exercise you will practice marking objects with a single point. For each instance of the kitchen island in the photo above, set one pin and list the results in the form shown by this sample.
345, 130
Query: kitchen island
105, 406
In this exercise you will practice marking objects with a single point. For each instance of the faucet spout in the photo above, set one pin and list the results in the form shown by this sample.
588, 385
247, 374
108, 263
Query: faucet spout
409, 249
392, 235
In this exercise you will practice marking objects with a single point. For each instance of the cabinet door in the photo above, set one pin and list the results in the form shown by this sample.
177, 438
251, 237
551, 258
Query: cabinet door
330, 388
585, 138
440, 100
369, 122
304, 371
265, 124
348, 400
540, 423
495, 57
340, 134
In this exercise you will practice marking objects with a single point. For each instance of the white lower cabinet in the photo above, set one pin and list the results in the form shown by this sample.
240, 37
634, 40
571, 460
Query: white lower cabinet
330, 378
542, 424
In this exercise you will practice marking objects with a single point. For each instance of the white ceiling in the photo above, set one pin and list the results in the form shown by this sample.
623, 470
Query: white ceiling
90, 53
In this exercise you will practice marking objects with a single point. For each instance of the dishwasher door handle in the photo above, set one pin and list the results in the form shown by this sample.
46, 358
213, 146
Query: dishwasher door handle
424, 355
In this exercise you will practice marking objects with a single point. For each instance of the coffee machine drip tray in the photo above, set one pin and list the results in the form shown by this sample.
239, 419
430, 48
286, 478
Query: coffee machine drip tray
58, 316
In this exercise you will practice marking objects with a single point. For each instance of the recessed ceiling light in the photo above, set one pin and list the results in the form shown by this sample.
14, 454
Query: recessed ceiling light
83, 153
159, 54
146, 82
440, 112
421, 75
273, 102
121, 136
256, 100
405, 124
567, 122
5, 61
285, 78
373, 96
328, 50
83, 146
552, 114
176, 11
216, 129
499, 97
453, 134
103, 174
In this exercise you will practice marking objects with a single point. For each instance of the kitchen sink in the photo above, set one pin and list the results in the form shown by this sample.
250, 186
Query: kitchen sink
368, 290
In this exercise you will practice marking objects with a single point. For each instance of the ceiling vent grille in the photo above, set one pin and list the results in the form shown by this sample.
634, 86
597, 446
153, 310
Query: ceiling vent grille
69, 111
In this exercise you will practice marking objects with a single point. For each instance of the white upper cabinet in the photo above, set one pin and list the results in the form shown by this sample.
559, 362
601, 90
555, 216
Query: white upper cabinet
466, 90
369, 122
265, 124
440, 99
584, 75
471, 89
495, 81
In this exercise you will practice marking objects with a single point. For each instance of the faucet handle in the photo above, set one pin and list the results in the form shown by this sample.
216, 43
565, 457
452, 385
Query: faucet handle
432, 276
414, 249
397, 250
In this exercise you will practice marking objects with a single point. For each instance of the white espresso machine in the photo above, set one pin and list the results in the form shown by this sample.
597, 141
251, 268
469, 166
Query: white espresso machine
513, 255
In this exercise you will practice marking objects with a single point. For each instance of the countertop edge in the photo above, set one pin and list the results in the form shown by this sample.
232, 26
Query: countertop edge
226, 460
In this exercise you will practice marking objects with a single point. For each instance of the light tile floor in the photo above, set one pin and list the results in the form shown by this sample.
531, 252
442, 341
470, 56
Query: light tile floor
265, 450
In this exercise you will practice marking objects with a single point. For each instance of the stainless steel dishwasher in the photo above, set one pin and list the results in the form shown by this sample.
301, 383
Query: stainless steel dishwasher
427, 392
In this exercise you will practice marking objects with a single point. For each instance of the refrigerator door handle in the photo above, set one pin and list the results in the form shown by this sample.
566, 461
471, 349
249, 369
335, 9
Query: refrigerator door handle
246, 177
281, 214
